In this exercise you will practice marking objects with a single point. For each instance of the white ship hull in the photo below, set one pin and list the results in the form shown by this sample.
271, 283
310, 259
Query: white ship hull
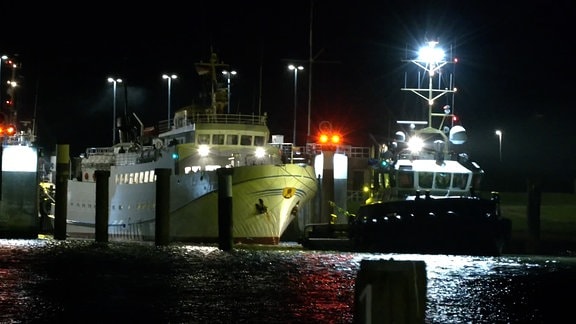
268, 189
194, 204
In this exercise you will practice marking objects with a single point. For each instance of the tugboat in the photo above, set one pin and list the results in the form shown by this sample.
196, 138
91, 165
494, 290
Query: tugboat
425, 196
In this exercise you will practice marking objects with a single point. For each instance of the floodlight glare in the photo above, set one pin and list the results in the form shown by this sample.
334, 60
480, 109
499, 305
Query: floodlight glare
430, 53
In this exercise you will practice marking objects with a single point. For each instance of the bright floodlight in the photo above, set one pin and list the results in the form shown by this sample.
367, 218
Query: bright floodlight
293, 67
260, 152
430, 53
416, 144
203, 150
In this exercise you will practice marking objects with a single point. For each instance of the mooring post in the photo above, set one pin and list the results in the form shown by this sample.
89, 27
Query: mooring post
533, 214
389, 291
102, 205
225, 235
61, 196
162, 229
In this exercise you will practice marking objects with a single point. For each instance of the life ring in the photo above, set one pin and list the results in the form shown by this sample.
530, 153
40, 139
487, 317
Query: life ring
86, 176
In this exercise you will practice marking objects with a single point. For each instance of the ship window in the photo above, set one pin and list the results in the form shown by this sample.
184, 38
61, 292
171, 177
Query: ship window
218, 139
425, 179
405, 179
460, 180
203, 139
442, 180
246, 140
231, 139
259, 140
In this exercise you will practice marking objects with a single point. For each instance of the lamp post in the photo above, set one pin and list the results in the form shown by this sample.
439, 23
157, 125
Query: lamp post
228, 75
499, 134
295, 69
114, 81
169, 78
2, 58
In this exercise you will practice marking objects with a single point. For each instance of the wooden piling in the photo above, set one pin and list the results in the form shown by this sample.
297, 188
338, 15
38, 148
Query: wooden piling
533, 214
225, 234
61, 196
162, 229
389, 291
102, 205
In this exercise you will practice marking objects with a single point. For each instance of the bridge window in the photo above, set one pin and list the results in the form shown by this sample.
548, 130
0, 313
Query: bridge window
460, 180
203, 139
405, 179
231, 139
218, 139
246, 140
259, 140
425, 179
442, 180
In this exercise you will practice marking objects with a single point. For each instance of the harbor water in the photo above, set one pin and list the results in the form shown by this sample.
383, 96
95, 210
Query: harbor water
72, 281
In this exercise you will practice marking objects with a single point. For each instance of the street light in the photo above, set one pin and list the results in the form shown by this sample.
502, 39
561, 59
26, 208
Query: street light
295, 69
499, 134
228, 76
114, 81
169, 78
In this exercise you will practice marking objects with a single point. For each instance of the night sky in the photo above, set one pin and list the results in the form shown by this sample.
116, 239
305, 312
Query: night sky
515, 70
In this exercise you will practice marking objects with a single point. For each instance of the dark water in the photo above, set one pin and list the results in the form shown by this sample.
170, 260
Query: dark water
73, 281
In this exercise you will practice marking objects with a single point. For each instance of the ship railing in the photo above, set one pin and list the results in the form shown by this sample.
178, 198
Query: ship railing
99, 150
228, 119
109, 150
348, 150
293, 154
19, 139
208, 118
356, 195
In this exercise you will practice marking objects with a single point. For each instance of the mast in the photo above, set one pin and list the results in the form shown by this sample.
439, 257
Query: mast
310, 61
431, 59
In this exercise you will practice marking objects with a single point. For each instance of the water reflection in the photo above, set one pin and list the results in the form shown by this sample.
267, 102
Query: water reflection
71, 281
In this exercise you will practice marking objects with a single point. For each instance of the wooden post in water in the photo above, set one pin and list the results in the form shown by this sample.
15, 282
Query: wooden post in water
162, 229
225, 234
389, 291
533, 214
61, 196
102, 205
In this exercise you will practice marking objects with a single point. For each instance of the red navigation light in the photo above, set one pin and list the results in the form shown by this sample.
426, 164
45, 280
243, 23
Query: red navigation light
10, 130
454, 118
7, 130
335, 139
329, 139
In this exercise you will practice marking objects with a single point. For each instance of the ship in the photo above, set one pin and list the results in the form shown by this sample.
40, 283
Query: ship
21, 157
269, 187
425, 189
425, 156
